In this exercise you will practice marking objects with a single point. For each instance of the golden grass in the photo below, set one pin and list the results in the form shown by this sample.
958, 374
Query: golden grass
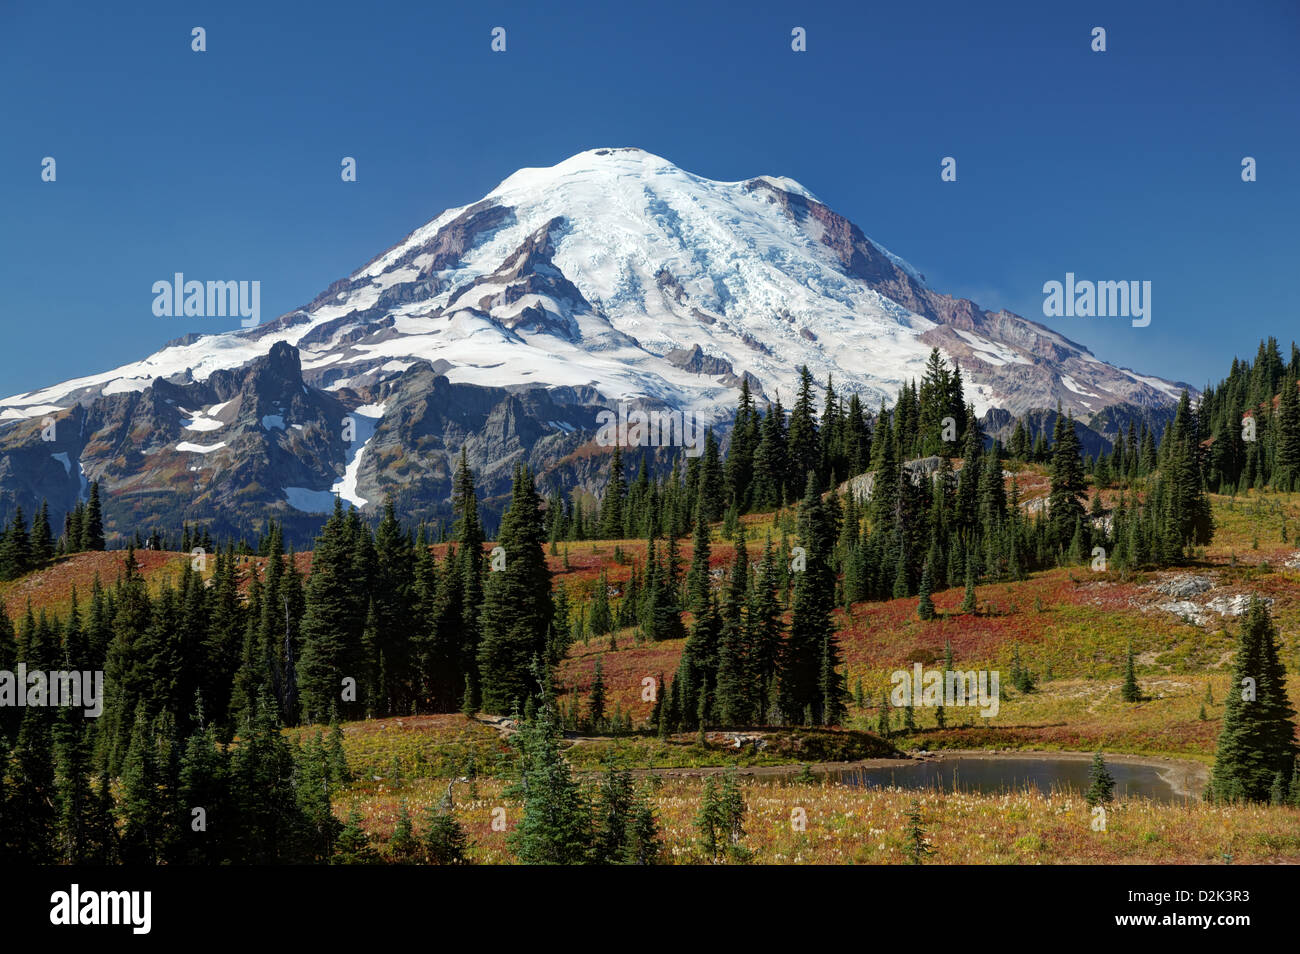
845, 825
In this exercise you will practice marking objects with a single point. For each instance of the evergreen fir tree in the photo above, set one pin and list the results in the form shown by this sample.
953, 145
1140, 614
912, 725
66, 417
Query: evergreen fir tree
444, 840
1101, 786
92, 532
1257, 738
353, 846
918, 846
332, 624
42, 540
596, 697
556, 824
1130, 691
814, 598
517, 607
925, 607
402, 845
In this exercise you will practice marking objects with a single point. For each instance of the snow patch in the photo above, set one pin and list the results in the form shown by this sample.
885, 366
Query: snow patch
126, 385
366, 419
199, 448
1070, 383
22, 414
201, 423
1162, 386
990, 351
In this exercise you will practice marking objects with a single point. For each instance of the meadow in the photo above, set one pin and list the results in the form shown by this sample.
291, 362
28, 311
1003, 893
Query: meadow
824, 823
1071, 627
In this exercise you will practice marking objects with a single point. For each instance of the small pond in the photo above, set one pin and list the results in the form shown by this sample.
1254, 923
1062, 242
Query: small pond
993, 774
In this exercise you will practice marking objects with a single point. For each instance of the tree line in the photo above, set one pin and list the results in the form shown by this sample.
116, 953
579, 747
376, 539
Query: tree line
23, 548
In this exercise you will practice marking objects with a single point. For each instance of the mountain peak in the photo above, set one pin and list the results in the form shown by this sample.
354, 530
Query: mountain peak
616, 161
508, 326
597, 272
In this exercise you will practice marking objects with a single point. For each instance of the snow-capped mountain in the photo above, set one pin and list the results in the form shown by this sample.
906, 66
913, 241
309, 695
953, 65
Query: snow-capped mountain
612, 276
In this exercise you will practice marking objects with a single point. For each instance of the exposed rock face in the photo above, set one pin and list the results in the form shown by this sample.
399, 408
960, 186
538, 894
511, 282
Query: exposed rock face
232, 450
1188, 587
920, 469
697, 362
1185, 586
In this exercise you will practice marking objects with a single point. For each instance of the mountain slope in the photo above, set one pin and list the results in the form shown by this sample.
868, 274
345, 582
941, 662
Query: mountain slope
612, 276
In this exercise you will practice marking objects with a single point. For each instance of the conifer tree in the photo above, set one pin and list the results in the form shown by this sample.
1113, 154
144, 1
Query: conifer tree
402, 845
332, 624
204, 784
517, 607
92, 531
918, 846
968, 604
736, 691
814, 598
1257, 737
31, 793
763, 621
392, 595
272, 823
353, 846
739, 466
883, 728
611, 511
712, 496
830, 682
925, 606
1101, 786
142, 807
804, 456
596, 697
75, 798
1130, 691
731, 812
1021, 678
42, 540
645, 846
708, 818
15, 548
556, 824
697, 577
1064, 502
444, 839
601, 621
615, 812
336, 759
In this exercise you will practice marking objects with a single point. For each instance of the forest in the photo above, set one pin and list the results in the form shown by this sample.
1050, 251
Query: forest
203, 674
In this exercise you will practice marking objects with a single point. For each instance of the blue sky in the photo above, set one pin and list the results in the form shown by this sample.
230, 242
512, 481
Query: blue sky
225, 164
